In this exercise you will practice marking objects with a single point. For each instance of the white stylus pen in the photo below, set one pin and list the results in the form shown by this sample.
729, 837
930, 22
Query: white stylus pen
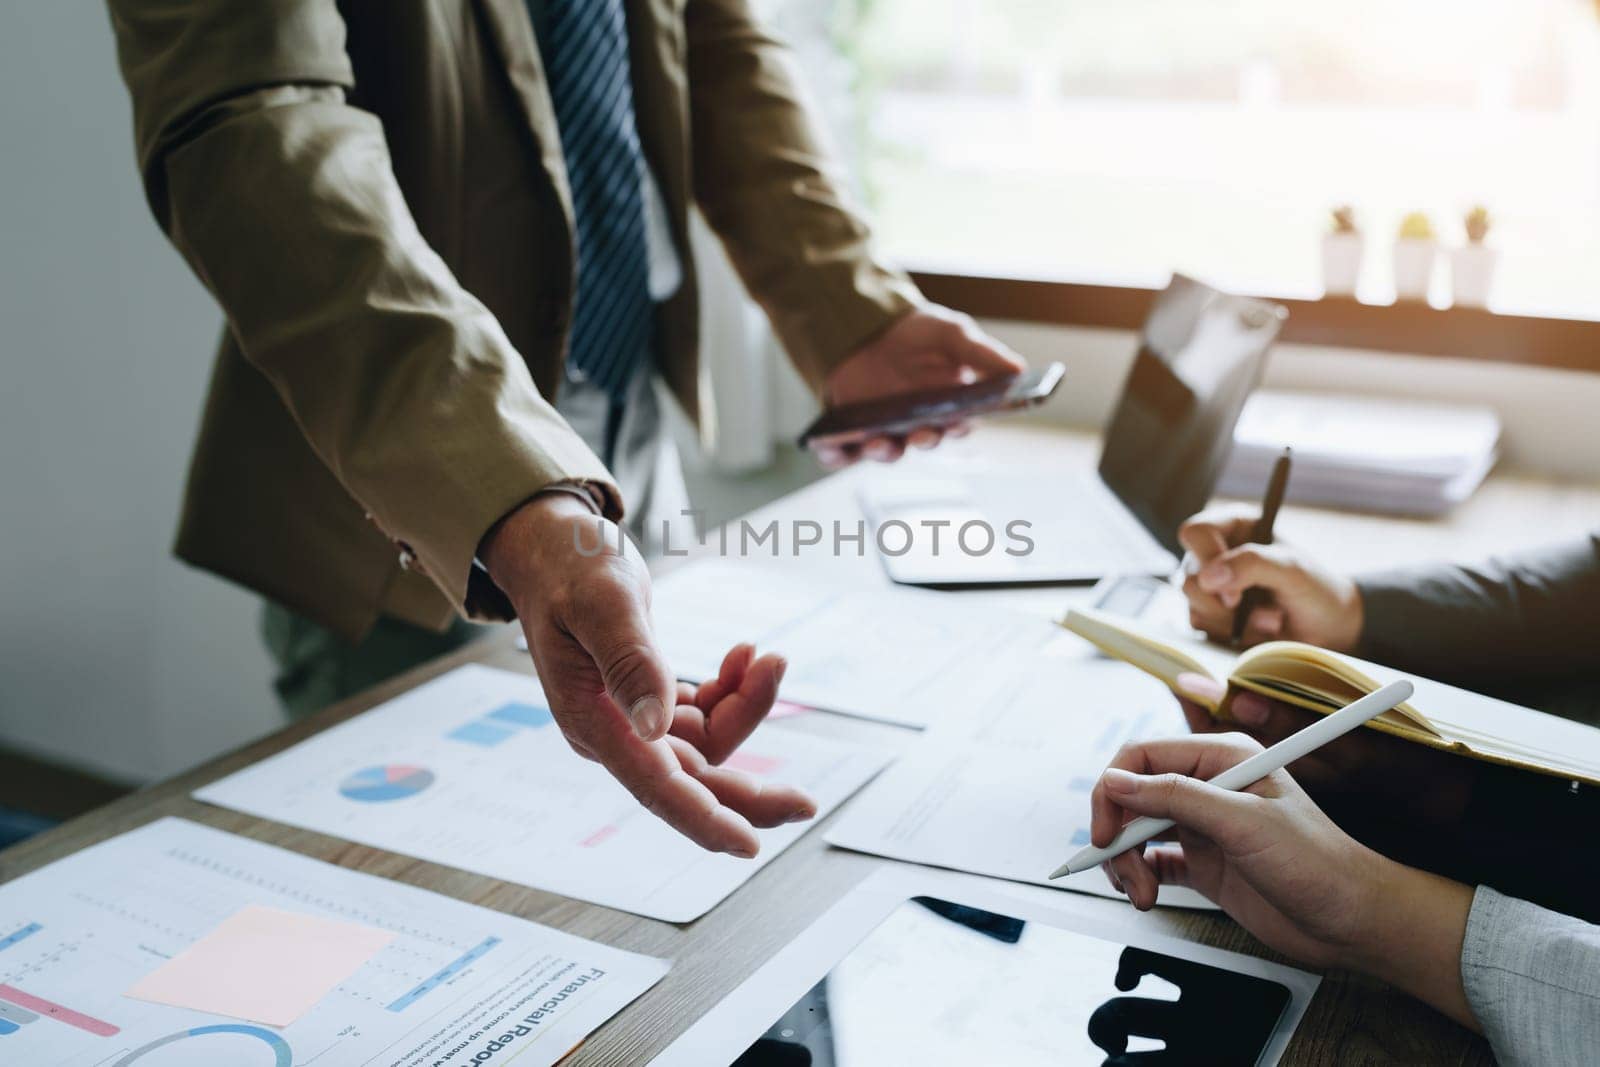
1252, 770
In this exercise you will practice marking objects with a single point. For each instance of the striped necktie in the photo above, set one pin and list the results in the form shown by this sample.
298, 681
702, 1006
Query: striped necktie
586, 61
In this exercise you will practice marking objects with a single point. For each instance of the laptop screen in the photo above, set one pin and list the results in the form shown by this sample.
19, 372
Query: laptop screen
1200, 356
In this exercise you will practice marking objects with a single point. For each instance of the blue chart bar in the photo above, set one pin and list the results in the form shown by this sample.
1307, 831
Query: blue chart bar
523, 715
8, 1027
481, 732
26, 931
443, 976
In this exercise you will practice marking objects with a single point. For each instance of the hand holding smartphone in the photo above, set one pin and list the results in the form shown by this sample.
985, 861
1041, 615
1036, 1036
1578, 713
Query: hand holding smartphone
897, 416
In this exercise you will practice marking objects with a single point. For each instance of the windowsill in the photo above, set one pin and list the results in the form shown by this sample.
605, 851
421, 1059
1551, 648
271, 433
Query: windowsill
1413, 328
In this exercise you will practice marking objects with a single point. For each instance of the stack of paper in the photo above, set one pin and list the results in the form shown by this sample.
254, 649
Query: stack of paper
1395, 456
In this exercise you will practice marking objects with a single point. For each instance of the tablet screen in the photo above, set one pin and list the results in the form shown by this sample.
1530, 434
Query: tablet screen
940, 984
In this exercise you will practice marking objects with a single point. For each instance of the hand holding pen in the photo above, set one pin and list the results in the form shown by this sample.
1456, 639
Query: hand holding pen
1255, 596
1304, 600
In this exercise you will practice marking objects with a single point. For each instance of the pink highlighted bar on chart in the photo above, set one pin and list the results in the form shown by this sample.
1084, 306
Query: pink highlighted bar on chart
753, 763
598, 836
13, 995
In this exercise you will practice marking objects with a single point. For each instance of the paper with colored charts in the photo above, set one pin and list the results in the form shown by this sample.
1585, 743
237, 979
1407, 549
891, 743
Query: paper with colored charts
452, 983
470, 771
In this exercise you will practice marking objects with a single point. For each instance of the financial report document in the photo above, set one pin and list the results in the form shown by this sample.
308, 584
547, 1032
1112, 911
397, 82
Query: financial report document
470, 770
903, 656
1003, 788
453, 983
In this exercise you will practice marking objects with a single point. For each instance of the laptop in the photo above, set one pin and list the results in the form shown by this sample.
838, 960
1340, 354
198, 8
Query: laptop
1201, 354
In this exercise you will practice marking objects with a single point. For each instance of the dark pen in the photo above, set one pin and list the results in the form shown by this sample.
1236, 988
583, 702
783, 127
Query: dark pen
1254, 597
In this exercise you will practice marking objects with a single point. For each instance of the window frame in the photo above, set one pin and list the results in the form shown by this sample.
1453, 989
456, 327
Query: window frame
1404, 327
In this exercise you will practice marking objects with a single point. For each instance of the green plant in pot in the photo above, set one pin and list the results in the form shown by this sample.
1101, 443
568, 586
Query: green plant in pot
1343, 248
1416, 249
1472, 266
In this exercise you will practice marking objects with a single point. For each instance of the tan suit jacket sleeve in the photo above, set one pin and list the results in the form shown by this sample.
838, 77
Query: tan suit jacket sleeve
763, 179
283, 200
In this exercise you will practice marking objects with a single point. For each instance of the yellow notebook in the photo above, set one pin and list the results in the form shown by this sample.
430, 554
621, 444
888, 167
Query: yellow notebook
1438, 715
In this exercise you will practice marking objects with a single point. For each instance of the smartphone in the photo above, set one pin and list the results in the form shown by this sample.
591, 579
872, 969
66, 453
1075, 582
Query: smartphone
898, 415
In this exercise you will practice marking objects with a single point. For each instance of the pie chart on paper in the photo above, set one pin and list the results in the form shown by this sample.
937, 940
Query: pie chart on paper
379, 785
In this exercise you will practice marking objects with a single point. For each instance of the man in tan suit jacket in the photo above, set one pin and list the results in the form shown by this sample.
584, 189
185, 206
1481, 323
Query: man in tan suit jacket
378, 198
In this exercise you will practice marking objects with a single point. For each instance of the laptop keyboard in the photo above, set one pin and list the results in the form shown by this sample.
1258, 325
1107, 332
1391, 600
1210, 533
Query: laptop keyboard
1084, 525
1077, 526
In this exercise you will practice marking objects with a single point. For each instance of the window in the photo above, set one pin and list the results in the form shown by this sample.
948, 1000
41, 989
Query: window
1115, 141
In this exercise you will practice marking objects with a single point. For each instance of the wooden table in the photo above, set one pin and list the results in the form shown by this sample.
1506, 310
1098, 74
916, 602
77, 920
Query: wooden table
1351, 1019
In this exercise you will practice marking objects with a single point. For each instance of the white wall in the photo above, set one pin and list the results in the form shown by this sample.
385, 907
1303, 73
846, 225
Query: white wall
112, 654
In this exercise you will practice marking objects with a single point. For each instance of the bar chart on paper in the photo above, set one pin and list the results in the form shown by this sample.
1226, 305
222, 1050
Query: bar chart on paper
471, 771
78, 938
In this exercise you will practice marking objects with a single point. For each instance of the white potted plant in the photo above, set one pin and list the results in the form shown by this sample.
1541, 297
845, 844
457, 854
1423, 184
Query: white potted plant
1415, 250
1342, 249
1472, 266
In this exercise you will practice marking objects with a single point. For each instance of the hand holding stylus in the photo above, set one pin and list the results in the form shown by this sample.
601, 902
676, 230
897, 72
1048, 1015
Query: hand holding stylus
1272, 860
1249, 771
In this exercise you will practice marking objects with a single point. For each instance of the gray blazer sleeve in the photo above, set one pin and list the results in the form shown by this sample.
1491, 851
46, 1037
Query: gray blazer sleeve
1536, 613
1532, 977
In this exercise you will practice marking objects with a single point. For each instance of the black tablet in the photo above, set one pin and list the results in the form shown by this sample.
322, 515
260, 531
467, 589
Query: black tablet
941, 984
